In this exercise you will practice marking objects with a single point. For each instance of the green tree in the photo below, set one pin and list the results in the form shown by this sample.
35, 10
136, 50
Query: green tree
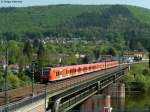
140, 46
1, 80
13, 81
112, 51
13, 51
36, 44
41, 54
85, 60
22, 61
28, 50
96, 53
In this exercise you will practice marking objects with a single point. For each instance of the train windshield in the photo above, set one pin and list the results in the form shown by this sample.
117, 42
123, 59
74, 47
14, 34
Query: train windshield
46, 71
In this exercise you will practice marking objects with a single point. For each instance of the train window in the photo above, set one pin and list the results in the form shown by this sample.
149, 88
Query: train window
68, 71
53, 72
57, 73
87, 68
60, 72
76, 70
71, 71
80, 70
45, 71
84, 69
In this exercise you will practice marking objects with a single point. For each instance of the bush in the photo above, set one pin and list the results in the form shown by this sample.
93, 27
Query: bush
146, 72
25, 80
1, 80
138, 78
13, 81
137, 86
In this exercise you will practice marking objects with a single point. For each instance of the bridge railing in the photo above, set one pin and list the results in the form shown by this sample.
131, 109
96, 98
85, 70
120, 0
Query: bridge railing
16, 105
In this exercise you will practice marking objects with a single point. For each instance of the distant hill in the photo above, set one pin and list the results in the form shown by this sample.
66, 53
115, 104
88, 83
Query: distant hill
92, 22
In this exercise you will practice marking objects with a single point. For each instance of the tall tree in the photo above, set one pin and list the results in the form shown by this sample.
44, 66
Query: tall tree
36, 44
41, 54
96, 53
13, 51
28, 50
149, 56
85, 60
112, 51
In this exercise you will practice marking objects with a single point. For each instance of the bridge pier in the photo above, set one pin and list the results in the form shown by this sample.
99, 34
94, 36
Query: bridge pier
102, 100
107, 103
97, 103
117, 90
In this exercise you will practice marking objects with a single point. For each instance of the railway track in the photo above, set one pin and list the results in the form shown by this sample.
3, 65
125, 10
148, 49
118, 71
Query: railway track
20, 93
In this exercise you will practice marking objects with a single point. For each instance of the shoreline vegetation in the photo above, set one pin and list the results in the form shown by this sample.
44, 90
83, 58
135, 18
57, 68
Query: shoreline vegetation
138, 78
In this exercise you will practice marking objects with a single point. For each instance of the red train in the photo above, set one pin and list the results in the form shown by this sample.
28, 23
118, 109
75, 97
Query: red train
59, 73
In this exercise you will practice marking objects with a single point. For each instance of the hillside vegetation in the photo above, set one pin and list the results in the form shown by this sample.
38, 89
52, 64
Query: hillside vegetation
113, 23
138, 78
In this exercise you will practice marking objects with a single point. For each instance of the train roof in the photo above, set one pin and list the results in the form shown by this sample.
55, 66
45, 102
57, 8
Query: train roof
71, 66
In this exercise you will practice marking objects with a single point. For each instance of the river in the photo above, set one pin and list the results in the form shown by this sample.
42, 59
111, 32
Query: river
133, 102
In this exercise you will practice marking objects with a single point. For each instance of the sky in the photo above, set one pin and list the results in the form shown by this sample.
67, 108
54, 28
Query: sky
24, 3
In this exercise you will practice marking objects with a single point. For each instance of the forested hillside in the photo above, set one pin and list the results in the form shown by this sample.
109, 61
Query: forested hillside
113, 23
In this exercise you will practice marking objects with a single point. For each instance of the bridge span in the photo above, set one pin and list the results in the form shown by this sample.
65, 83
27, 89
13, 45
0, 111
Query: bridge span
63, 95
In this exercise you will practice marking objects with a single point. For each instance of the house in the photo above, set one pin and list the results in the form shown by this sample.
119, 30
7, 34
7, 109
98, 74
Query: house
2, 65
14, 68
139, 54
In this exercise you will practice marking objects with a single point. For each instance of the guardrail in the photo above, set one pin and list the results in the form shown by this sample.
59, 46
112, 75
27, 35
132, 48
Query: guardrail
16, 105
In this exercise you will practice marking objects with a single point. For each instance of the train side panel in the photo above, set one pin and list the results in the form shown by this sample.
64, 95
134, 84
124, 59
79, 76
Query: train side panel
60, 73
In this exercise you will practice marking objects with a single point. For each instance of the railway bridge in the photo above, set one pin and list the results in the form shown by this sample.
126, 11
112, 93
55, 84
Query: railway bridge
63, 95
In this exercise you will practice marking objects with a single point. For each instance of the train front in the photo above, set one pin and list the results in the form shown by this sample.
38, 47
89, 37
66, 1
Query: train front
44, 77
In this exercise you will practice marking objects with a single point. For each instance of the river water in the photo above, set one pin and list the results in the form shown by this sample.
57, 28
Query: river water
133, 102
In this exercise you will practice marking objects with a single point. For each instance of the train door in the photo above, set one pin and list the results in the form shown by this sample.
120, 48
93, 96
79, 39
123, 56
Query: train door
68, 72
61, 74
72, 71
76, 70
79, 70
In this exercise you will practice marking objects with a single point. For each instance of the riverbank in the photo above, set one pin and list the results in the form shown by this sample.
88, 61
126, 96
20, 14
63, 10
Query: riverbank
138, 78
